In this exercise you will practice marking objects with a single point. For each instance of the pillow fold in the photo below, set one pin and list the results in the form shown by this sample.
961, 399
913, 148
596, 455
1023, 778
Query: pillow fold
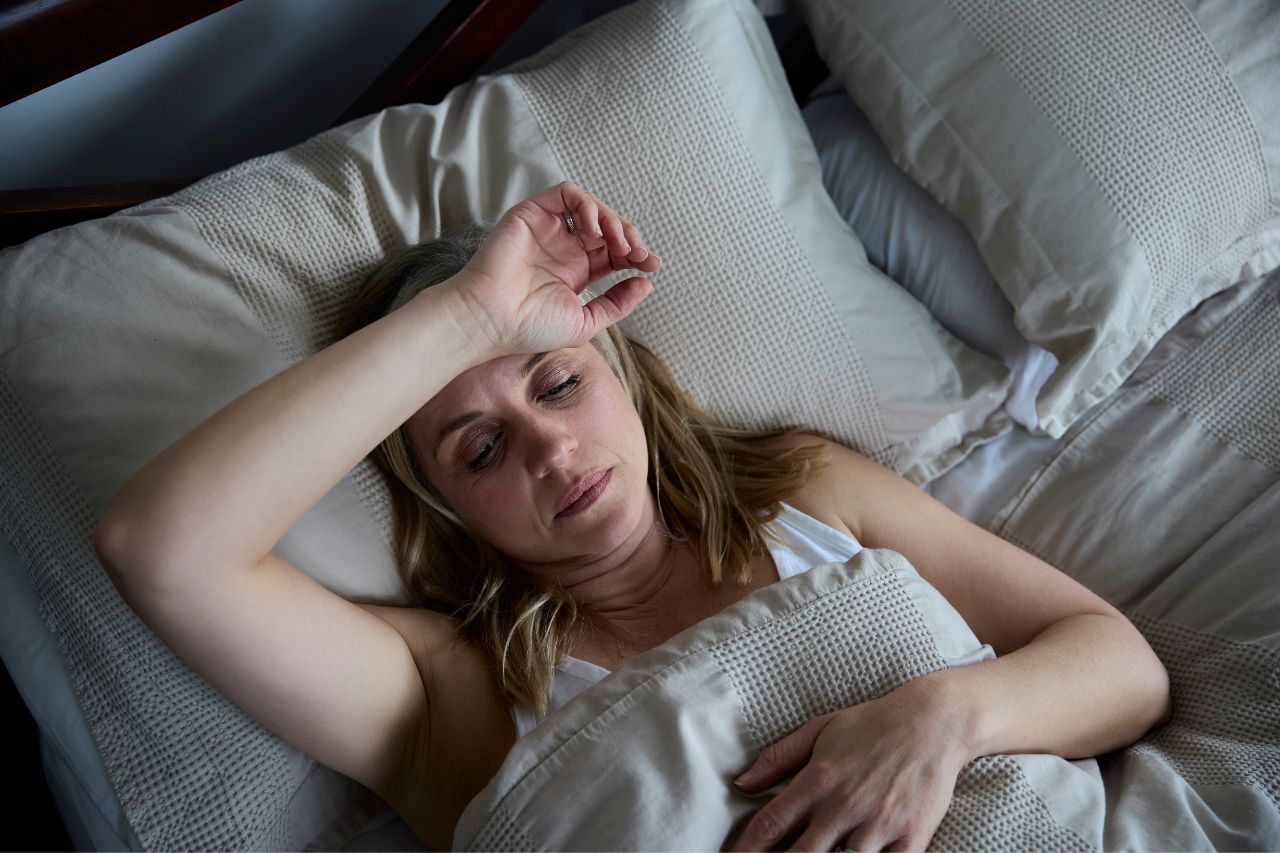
1114, 163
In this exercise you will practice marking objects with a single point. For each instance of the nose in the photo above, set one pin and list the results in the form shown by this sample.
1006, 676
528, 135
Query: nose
551, 445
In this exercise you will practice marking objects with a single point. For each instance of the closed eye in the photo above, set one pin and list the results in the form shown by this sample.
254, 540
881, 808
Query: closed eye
490, 450
568, 383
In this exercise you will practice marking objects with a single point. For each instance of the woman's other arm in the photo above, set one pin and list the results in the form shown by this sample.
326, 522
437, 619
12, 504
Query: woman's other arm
1073, 678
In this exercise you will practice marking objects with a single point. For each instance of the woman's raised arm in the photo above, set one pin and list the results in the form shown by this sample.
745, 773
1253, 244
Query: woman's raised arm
225, 493
187, 539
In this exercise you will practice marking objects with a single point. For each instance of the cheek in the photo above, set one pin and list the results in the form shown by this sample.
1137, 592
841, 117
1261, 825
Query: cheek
493, 503
629, 425
614, 415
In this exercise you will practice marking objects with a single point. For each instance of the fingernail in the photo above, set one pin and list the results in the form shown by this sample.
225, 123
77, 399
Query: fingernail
742, 780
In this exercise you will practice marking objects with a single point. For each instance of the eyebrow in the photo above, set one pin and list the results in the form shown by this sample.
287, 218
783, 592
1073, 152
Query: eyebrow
462, 420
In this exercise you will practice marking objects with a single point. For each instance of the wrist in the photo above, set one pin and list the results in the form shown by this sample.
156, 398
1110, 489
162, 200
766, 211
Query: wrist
943, 696
476, 338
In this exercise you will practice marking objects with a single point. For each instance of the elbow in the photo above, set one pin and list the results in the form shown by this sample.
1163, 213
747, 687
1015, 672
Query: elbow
1151, 671
125, 559
106, 538
1149, 688
1163, 695
116, 541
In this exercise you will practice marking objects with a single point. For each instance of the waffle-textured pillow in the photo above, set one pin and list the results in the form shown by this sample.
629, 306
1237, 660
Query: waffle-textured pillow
912, 238
1116, 163
119, 336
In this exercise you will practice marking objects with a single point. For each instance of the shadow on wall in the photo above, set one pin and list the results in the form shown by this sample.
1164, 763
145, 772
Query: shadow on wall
254, 78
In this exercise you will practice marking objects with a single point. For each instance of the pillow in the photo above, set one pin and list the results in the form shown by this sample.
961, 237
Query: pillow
912, 238
1115, 163
120, 335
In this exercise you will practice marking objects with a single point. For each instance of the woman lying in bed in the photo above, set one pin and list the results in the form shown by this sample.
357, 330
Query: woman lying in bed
557, 495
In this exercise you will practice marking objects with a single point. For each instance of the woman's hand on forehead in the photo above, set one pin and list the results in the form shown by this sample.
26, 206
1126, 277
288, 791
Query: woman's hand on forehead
520, 291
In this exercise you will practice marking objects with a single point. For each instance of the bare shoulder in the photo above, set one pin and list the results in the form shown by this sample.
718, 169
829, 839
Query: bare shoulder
839, 486
1005, 594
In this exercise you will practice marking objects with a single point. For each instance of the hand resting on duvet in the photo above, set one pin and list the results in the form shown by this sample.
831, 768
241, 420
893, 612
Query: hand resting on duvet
558, 495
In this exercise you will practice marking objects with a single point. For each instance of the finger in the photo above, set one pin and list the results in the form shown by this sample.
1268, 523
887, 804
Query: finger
651, 263
834, 815
588, 217
638, 249
616, 302
819, 835
868, 837
771, 823
782, 757
906, 844
611, 222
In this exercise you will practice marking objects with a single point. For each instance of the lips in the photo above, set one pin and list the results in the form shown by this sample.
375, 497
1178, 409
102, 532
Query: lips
580, 488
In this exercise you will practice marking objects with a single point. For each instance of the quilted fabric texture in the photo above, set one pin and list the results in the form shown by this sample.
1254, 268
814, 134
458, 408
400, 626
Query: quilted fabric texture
1189, 556
1219, 382
692, 713
121, 335
1115, 163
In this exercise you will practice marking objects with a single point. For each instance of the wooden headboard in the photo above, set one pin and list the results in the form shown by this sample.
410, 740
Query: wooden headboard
45, 41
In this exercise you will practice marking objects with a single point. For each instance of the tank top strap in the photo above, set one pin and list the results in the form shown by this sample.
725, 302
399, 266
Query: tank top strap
807, 542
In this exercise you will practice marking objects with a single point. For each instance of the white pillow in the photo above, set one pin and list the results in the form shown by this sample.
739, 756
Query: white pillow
120, 335
1116, 163
912, 238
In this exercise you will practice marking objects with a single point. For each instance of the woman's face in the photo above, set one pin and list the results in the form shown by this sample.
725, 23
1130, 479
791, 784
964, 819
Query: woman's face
507, 441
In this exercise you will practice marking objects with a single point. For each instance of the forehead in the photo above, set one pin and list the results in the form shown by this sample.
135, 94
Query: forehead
467, 390
463, 388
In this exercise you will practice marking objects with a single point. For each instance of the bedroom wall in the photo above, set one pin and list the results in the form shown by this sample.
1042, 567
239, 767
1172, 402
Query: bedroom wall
254, 78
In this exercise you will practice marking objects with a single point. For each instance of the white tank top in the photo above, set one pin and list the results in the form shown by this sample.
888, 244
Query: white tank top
807, 543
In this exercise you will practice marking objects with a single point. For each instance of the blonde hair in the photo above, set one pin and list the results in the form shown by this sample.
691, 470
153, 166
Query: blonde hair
716, 488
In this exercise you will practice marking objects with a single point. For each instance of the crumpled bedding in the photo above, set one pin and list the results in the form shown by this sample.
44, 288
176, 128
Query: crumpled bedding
1164, 501
643, 760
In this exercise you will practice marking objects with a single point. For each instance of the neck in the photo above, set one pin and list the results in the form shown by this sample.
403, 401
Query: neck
633, 595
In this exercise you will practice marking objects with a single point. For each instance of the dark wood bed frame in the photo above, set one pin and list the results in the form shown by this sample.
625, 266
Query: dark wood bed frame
45, 41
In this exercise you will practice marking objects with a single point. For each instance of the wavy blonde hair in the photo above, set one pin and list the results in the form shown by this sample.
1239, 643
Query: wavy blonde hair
716, 488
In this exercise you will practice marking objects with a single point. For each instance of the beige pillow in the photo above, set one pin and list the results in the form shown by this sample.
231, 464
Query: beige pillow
1116, 163
120, 335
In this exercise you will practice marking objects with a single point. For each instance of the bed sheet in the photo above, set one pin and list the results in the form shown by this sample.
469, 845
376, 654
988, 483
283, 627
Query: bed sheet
73, 768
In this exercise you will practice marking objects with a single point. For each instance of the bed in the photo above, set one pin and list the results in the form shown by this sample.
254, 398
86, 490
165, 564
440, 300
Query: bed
1025, 254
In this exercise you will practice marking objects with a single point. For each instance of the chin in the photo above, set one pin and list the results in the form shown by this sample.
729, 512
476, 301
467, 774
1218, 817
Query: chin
617, 516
